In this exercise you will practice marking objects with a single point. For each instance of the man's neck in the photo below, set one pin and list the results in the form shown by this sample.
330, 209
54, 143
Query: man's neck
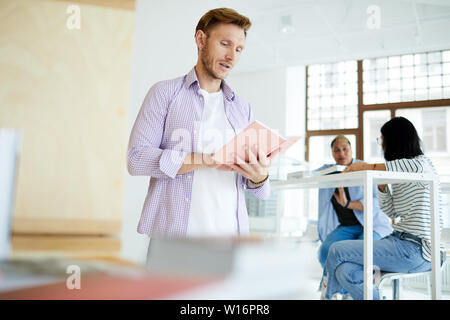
205, 81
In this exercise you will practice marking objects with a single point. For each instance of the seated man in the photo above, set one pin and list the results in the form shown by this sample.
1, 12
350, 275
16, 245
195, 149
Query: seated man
341, 215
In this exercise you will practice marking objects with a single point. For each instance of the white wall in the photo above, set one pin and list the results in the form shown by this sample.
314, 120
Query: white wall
164, 48
266, 93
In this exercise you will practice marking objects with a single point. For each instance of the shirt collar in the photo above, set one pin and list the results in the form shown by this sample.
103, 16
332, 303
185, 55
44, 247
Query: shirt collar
191, 78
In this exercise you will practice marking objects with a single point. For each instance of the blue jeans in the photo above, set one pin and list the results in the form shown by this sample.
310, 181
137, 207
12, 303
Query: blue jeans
355, 232
394, 253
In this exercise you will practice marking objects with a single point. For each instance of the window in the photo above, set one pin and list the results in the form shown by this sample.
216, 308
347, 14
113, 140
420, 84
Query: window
358, 97
332, 96
373, 121
411, 77
320, 149
431, 125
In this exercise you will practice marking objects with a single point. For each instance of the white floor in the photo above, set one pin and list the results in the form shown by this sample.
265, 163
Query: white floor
310, 284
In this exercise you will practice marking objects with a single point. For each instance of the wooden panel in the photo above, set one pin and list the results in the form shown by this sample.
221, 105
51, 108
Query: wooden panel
67, 226
68, 91
68, 246
116, 4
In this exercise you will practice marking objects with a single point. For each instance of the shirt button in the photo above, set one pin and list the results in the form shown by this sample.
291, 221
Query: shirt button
195, 131
201, 98
189, 177
186, 199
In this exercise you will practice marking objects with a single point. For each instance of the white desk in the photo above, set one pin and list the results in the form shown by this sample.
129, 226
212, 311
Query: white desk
367, 179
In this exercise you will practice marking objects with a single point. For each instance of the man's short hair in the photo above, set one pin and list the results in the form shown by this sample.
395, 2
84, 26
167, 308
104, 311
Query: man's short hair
340, 137
222, 15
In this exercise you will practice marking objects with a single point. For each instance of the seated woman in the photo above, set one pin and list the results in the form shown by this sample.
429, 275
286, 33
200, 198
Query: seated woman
341, 214
408, 248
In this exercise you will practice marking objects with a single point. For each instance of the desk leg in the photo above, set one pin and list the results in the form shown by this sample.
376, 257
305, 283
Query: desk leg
368, 237
435, 242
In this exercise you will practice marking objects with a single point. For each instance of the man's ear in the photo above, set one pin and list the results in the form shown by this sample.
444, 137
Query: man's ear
200, 39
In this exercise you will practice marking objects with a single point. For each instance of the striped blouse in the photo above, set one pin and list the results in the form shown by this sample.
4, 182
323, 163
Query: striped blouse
411, 201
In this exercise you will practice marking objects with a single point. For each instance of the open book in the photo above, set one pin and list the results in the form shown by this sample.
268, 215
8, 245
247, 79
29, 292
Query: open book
304, 174
255, 135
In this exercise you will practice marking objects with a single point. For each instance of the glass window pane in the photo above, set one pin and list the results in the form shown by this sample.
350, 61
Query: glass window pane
369, 64
313, 124
432, 126
446, 81
351, 122
408, 60
434, 57
351, 77
446, 55
394, 73
351, 66
446, 93
382, 63
435, 93
314, 80
369, 98
394, 62
408, 95
382, 97
313, 103
421, 94
408, 72
435, 81
446, 68
320, 149
408, 84
395, 84
314, 69
338, 100
420, 58
313, 91
434, 69
373, 121
394, 96
421, 83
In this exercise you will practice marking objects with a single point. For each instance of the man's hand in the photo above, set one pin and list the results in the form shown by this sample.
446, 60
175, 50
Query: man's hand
256, 168
341, 197
211, 163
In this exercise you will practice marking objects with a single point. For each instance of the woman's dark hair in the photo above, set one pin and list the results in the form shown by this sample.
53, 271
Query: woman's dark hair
400, 139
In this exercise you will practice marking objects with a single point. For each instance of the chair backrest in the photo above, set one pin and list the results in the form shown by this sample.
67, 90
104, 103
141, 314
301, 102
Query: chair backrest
9, 155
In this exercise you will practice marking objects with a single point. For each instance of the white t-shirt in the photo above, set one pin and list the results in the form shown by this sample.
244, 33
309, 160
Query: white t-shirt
213, 209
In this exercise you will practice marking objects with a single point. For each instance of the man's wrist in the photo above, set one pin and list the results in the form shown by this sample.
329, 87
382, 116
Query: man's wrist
252, 185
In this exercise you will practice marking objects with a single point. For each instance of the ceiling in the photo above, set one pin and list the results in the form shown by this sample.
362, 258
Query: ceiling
336, 30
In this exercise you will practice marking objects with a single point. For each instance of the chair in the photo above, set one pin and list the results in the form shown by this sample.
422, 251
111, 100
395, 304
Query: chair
396, 277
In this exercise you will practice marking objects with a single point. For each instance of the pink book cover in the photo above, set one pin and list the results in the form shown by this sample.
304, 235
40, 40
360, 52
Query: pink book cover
256, 134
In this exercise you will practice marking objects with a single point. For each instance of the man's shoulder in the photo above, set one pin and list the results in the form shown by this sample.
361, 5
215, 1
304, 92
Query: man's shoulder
169, 83
167, 88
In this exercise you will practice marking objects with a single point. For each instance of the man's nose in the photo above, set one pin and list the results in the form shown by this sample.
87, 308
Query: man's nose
230, 55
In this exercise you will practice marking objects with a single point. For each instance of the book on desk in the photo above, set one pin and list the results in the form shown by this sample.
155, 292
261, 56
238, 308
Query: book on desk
315, 173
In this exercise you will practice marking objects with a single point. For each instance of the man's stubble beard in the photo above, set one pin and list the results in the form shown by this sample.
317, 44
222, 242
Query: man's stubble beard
208, 64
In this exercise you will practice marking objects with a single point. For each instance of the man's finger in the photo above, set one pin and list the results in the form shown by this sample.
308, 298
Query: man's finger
238, 169
263, 159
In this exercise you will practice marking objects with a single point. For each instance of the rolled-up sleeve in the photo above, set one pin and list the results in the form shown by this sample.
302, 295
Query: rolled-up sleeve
145, 157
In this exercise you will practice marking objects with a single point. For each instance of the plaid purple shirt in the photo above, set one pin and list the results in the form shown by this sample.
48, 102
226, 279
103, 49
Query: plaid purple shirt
165, 130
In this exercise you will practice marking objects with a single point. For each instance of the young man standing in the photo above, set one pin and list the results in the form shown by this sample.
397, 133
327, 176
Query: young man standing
181, 123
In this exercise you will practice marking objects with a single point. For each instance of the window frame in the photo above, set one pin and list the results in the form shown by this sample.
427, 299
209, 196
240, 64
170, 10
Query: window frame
359, 131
